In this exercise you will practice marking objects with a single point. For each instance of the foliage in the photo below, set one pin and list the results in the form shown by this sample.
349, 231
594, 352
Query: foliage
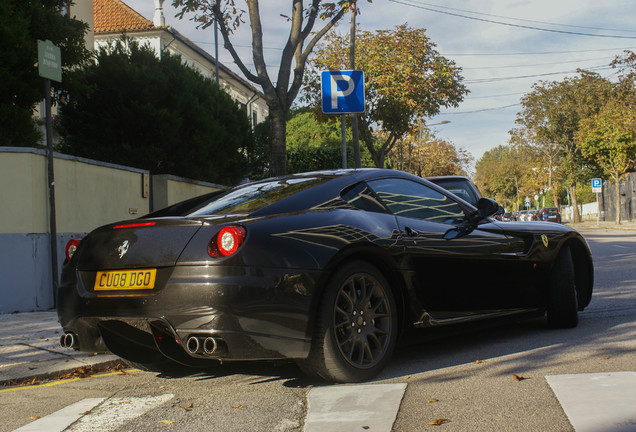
301, 42
499, 174
304, 129
258, 157
303, 159
134, 109
551, 115
22, 24
423, 154
609, 139
316, 145
406, 79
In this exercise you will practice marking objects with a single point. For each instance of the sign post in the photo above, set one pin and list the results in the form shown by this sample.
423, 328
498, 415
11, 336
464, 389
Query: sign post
342, 92
597, 188
50, 68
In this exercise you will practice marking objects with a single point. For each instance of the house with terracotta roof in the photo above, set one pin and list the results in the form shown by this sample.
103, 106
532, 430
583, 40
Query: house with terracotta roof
112, 18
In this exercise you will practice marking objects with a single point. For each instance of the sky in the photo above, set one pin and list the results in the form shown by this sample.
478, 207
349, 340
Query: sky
502, 46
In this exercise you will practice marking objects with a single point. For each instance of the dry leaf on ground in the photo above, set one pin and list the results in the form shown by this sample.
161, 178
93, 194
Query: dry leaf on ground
439, 421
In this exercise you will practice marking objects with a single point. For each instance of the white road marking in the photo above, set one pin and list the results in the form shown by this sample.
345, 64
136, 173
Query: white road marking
597, 402
60, 420
117, 411
346, 408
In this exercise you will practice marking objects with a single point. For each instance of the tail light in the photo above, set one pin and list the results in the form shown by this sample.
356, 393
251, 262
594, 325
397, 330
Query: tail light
227, 241
71, 247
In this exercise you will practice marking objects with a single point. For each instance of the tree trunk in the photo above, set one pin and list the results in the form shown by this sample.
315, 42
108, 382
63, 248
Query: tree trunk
618, 198
278, 131
576, 216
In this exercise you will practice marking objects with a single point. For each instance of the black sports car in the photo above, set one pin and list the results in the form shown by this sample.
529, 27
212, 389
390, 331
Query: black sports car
328, 268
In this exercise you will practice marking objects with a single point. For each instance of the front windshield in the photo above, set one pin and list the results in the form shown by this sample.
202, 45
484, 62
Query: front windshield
252, 197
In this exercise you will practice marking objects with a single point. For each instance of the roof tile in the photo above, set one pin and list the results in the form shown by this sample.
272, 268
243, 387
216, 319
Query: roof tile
115, 15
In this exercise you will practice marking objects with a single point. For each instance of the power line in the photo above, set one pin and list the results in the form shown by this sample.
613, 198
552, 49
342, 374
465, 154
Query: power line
521, 19
419, 6
538, 64
480, 110
496, 96
538, 53
490, 80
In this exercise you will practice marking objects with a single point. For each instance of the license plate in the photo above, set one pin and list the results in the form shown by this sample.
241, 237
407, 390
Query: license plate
125, 280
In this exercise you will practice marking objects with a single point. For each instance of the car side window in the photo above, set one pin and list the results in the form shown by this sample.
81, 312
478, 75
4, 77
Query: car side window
362, 197
414, 200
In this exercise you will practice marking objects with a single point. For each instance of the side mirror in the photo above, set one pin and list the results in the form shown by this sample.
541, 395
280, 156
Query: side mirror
487, 207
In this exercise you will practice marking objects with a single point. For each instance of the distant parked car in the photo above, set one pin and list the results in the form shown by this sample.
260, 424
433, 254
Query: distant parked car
533, 215
523, 215
508, 217
458, 185
550, 214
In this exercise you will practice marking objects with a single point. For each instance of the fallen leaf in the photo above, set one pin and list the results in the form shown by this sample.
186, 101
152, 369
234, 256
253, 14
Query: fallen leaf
85, 412
432, 400
439, 421
478, 361
365, 427
189, 407
519, 377
238, 406
606, 357
34, 417
166, 421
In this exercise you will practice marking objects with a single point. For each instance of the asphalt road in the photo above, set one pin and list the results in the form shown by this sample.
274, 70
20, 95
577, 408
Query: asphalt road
466, 377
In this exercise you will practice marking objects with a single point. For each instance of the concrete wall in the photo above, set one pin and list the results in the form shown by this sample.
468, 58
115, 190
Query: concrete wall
88, 194
169, 189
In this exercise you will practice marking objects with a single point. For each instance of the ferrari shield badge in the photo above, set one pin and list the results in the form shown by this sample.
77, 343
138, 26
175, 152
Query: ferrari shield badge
544, 239
124, 248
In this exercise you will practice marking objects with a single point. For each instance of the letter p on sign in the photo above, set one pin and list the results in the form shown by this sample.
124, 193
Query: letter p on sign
342, 92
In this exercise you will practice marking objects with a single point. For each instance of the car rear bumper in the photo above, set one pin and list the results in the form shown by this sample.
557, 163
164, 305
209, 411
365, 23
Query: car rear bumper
250, 313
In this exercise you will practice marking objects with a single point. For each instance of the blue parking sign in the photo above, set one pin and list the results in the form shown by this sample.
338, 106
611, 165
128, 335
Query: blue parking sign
342, 92
597, 185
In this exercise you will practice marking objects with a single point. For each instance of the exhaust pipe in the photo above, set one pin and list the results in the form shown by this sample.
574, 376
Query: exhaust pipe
68, 340
209, 346
192, 345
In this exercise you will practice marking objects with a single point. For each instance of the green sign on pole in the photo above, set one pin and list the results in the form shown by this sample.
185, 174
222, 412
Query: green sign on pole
49, 61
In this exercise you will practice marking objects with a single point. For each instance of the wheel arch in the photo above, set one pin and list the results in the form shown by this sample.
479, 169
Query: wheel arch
583, 271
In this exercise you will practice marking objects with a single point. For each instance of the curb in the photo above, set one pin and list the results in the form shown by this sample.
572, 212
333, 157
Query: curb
56, 369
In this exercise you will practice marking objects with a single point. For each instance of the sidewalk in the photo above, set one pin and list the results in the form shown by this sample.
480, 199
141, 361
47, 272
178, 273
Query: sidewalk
603, 225
30, 348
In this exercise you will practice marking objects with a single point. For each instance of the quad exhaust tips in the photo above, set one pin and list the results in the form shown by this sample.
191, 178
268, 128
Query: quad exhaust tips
201, 345
69, 340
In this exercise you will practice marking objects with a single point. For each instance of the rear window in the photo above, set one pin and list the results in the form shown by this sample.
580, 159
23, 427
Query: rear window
552, 210
253, 197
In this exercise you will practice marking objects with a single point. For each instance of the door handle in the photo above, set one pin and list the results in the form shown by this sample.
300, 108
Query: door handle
410, 232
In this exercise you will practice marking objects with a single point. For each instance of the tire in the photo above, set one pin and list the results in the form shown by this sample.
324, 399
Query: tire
562, 298
356, 327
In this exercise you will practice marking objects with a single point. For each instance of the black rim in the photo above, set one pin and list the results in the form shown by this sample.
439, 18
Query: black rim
362, 321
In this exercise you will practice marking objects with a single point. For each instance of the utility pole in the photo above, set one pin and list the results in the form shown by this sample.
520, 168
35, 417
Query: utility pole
352, 65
